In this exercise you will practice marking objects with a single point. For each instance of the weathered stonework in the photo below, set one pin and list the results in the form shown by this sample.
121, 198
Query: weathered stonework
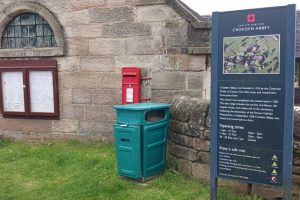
189, 145
114, 14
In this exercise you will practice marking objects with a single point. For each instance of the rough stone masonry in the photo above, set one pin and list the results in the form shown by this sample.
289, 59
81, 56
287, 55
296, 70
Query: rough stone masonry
99, 37
189, 145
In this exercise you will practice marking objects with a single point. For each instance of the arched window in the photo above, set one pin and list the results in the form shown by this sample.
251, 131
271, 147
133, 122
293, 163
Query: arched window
28, 30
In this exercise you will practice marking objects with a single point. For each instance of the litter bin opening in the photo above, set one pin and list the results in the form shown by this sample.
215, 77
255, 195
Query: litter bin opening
155, 115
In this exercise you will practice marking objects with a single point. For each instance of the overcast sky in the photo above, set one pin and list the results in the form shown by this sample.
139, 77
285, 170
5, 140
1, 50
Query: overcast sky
208, 6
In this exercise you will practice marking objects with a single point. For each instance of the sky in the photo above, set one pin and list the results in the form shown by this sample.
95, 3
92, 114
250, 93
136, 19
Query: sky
206, 7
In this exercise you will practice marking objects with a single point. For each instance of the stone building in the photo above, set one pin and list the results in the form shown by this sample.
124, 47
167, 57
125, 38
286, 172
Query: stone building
79, 48
88, 42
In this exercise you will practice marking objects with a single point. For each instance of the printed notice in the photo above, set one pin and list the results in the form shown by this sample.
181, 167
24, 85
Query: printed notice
13, 91
250, 130
41, 91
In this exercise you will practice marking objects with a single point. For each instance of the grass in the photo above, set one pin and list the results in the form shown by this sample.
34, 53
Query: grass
74, 170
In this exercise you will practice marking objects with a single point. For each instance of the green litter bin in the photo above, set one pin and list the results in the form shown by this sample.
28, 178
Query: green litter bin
141, 139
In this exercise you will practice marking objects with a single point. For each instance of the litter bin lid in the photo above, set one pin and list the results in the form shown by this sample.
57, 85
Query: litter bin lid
142, 106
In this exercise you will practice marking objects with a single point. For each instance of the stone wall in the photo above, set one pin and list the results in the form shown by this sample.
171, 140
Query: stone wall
101, 36
189, 145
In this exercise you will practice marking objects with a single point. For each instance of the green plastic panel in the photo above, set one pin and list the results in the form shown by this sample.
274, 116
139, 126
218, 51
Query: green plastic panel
136, 113
154, 148
128, 149
142, 106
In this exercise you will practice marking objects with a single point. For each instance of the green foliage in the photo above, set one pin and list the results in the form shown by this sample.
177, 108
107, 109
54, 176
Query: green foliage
73, 170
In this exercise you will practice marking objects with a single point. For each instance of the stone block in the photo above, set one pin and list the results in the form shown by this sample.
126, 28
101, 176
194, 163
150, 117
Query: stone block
203, 157
77, 47
146, 2
143, 61
296, 169
112, 14
200, 108
65, 126
75, 17
80, 80
201, 171
184, 62
199, 50
296, 160
176, 34
124, 29
165, 96
15, 135
99, 113
296, 178
67, 64
117, 3
25, 125
57, 6
178, 127
86, 4
110, 80
168, 80
180, 110
195, 81
83, 31
201, 145
198, 37
97, 64
181, 139
96, 128
207, 134
65, 96
69, 111
184, 166
60, 80
184, 152
106, 46
82, 96
145, 45
107, 97
296, 145
156, 13
267, 192
196, 130
207, 119
206, 93
157, 28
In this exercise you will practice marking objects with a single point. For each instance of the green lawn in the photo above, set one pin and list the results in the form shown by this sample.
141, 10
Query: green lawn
74, 170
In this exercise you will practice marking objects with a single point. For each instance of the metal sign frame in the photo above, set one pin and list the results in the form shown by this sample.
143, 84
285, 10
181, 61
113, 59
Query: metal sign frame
288, 114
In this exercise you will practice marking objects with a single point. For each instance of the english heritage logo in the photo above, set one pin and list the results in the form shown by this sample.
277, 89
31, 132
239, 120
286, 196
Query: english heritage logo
251, 18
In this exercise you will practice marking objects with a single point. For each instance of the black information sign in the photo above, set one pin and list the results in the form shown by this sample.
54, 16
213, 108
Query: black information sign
252, 95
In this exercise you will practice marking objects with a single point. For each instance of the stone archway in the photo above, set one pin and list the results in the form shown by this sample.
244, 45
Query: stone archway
23, 7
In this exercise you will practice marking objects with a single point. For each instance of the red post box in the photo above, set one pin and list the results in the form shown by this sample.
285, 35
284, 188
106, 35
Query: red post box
131, 85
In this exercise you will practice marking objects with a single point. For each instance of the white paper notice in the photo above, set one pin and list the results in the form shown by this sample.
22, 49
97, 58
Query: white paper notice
13, 92
41, 91
129, 95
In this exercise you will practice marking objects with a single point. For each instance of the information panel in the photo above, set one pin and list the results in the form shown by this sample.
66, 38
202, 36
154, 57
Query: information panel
13, 91
252, 94
41, 91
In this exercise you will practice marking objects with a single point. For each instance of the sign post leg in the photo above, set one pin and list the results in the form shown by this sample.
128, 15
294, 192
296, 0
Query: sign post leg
213, 188
249, 188
287, 194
